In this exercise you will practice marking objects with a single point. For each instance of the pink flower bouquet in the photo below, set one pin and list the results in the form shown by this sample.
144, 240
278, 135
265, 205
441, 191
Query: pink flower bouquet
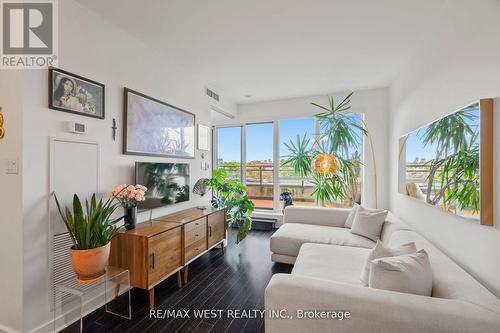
129, 195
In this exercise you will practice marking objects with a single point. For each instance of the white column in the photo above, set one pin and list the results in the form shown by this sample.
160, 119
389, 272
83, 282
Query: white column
243, 154
276, 166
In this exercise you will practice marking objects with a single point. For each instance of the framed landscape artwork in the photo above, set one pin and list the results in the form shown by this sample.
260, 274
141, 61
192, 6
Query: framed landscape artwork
75, 94
155, 128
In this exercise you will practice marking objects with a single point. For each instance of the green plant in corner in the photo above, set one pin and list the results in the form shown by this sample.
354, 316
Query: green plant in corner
234, 197
93, 227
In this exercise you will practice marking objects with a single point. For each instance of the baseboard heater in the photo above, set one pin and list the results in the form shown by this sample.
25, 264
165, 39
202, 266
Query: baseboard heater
259, 223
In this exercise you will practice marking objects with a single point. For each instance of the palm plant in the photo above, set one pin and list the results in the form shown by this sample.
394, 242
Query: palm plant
339, 128
299, 157
460, 179
93, 227
340, 186
341, 133
456, 163
451, 134
325, 190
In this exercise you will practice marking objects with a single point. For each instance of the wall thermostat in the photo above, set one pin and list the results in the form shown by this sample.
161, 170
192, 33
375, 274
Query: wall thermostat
78, 128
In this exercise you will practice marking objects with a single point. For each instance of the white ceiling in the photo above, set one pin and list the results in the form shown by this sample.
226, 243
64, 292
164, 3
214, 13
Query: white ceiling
281, 48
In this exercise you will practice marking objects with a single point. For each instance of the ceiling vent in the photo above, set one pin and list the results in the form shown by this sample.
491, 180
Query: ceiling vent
212, 95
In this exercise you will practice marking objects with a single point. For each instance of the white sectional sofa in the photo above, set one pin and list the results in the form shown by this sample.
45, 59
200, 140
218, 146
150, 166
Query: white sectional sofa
326, 276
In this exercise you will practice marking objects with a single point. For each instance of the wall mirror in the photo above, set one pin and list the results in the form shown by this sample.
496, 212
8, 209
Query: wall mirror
449, 163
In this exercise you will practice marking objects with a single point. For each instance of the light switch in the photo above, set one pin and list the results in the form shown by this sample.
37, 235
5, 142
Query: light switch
11, 166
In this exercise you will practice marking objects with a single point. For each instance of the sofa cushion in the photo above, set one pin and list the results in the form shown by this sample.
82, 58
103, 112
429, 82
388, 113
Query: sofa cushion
351, 216
290, 236
330, 262
392, 223
380, 251
407, 273
330, 217
368, 222
449, 280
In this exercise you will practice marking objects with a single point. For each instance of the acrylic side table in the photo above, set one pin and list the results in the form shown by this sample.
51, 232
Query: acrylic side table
72, 298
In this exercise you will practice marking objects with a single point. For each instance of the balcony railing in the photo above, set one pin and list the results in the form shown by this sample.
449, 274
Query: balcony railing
260, 183
417, 173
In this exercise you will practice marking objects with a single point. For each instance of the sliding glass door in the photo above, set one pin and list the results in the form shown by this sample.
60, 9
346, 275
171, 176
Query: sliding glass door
229, 151
264, 157
259, 164
296, 135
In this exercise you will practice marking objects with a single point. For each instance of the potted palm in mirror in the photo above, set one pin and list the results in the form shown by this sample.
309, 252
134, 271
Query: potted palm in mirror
91, 230
129, 196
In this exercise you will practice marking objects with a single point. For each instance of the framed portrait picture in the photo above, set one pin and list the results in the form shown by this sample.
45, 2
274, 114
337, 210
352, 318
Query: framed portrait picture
203, 137
75, 94
155, 128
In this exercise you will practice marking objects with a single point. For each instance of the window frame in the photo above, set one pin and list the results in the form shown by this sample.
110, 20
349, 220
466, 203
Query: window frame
276, 154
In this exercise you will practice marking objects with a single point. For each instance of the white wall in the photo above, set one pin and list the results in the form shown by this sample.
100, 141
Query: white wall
372, 103
93, 48
460, 65
11, 242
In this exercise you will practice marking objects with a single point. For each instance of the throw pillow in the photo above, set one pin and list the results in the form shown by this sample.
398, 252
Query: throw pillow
368, 222
350, 217
408, 273
380, 251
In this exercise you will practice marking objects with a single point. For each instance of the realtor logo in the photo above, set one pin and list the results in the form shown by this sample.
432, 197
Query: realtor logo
29, 34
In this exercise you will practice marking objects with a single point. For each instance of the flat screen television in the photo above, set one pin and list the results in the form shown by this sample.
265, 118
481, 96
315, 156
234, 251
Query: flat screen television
167, 183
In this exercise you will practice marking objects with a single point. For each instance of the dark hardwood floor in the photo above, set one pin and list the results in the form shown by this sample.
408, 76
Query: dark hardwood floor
235, 280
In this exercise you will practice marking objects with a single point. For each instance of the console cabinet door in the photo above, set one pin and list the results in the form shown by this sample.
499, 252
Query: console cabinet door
216, 227
165, 254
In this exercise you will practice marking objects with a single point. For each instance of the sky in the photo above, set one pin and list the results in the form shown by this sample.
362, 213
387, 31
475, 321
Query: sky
260, 139
415, 148
229, 143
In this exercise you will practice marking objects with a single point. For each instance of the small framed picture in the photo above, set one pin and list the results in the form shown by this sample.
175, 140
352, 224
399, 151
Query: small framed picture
203, 137
75, 94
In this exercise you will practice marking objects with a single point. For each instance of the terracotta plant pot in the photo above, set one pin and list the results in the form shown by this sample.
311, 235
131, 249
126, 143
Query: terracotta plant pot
89, 265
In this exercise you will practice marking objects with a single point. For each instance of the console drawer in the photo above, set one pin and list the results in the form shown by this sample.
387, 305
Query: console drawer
194, 235
195, 224
195, 249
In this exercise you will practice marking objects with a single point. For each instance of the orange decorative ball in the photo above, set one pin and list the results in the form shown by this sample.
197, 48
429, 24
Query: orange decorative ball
326, 164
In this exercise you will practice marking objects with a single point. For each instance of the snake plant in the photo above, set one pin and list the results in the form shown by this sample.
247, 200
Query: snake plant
93, 227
